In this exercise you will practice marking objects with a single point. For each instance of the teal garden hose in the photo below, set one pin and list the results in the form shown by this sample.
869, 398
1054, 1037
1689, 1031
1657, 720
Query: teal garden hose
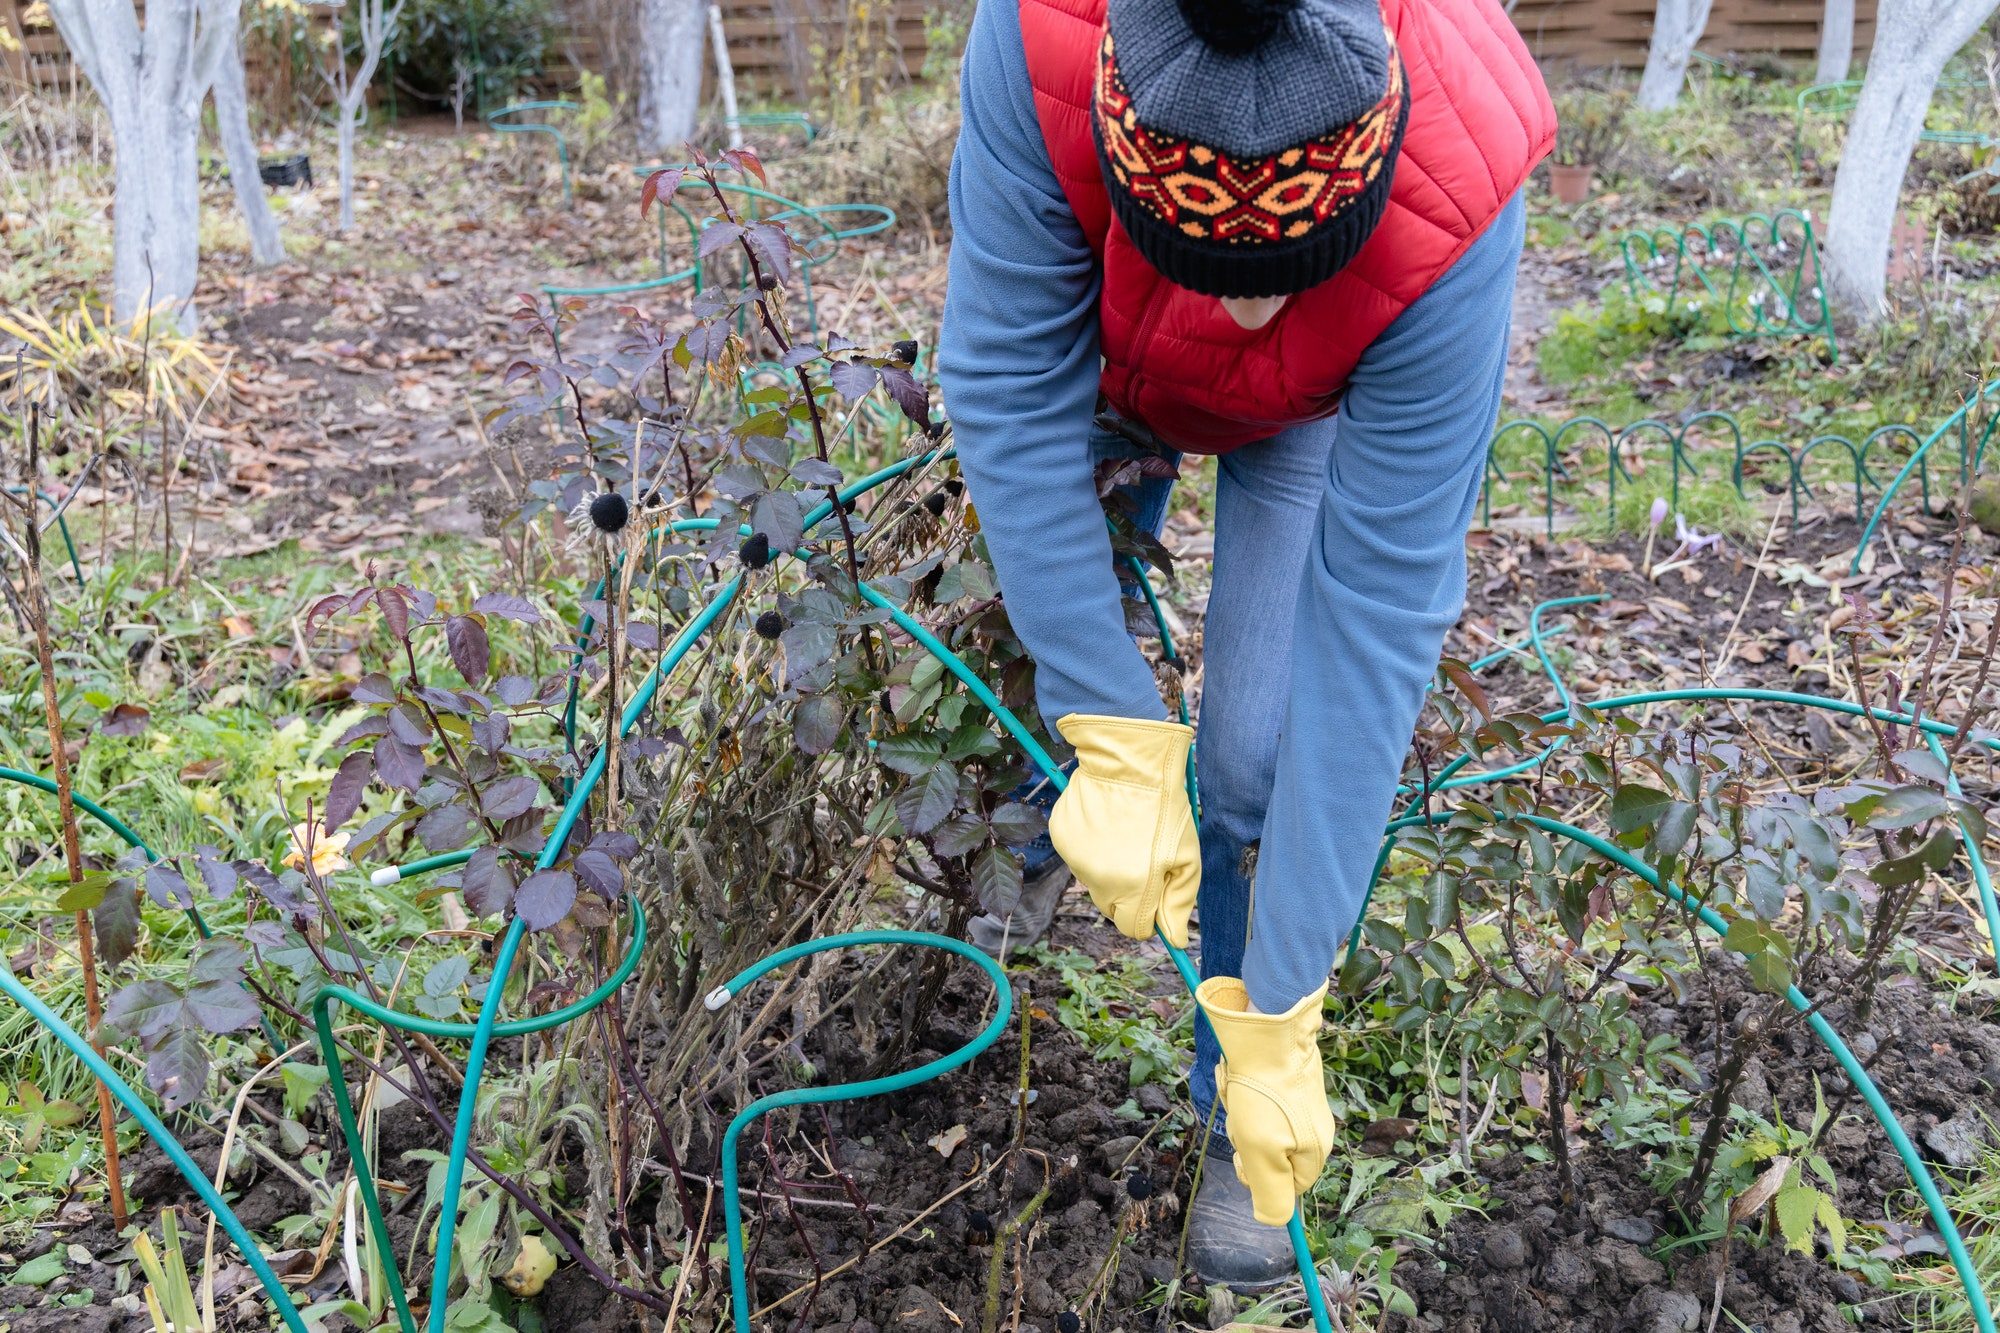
124, 831
488, 1025
732, 1201
62, 526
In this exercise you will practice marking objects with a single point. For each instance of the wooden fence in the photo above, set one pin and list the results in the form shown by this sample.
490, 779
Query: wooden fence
781, 49
1614, 32
784, 49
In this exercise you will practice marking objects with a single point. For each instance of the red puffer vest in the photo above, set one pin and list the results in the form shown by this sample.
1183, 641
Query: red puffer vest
1480, 119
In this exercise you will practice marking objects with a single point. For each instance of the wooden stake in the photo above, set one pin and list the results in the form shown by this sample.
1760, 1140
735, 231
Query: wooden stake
37, 603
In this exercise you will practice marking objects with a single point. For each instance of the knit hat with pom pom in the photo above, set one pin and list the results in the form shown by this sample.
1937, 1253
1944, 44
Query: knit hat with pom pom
1248, 144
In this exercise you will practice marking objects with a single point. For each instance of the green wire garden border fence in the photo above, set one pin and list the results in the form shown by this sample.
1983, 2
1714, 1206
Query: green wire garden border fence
488, 1025
797, 120
1562, 442
1762, 270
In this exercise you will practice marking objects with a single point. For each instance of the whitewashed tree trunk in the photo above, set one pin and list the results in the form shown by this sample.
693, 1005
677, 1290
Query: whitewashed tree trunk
232, 121
1677, 27
1836, 41
375, 25
152, 82
670, 61
1913, 40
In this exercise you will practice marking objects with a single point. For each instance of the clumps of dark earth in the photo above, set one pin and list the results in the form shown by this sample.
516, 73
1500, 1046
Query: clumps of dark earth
1104, 1173
1607, 1264
919, 1260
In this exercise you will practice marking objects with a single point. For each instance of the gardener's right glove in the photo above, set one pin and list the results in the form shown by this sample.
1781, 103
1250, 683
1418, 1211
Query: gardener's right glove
1123, 825
1273, 1094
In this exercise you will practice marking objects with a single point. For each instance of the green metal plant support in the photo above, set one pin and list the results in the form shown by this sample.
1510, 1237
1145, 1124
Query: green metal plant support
795, 120
62, 526
1838, 98
503, 121
834, 223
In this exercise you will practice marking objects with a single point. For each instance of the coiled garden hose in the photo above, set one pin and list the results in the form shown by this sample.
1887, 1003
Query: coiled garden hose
488, 1025
732, 1202
169, 1145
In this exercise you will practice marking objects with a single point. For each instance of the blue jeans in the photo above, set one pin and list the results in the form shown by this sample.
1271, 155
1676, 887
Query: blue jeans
1267, 501
1339, 569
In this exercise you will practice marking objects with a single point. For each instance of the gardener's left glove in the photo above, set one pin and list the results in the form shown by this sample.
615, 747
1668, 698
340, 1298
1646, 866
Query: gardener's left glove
1123, 825
1273, 1094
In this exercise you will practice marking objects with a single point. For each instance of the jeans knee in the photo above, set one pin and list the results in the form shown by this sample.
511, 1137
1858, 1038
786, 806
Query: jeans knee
1233, 801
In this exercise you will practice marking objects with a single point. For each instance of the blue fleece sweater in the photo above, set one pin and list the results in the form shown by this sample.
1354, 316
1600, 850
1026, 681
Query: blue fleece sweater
1019, 363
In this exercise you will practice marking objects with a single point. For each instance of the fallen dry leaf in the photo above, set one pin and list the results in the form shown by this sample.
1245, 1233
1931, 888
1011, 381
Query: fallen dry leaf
1754, 1200
947, 1142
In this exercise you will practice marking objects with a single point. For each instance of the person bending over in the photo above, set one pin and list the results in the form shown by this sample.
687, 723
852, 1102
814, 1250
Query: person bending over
1283, 233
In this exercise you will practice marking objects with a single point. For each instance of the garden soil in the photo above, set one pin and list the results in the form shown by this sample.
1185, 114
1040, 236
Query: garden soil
1605, 1263
933, 1276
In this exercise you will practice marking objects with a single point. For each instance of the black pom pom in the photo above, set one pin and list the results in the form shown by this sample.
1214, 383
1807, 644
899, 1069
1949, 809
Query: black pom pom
954, 485
770, 625
1067, 1322
935, 503
978, 1228
1138, 1186
755, 551
904, 352
608, 512
1236, 27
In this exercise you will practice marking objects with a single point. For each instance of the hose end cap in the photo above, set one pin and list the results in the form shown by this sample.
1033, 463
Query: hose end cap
386, 876
717, 998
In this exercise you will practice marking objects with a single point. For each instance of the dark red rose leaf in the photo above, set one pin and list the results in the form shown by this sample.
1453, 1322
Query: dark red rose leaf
343, 798
399, 765
124, 720
545, 898
488, 882
466, 638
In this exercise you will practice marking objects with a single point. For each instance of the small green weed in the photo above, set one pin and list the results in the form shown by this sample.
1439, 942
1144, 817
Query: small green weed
1111, 1005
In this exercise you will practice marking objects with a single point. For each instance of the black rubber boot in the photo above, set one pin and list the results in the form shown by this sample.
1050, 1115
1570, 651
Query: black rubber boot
1029, 920
1226, 1243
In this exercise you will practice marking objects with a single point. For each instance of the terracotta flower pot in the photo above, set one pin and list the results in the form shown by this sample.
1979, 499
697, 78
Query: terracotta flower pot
1572, 184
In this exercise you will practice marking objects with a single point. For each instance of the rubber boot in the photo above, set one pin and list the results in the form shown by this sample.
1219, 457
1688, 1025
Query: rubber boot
1226, 1244
1041, 893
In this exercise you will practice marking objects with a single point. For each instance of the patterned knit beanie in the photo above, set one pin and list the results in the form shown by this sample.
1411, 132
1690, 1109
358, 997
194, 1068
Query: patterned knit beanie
1248, 144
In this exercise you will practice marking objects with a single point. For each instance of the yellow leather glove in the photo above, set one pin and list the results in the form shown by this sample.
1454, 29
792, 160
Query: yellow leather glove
1273, 1094
1123, 825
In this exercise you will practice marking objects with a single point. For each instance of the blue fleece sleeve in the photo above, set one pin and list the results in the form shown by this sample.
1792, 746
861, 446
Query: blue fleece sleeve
1384, 582
1018, 361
